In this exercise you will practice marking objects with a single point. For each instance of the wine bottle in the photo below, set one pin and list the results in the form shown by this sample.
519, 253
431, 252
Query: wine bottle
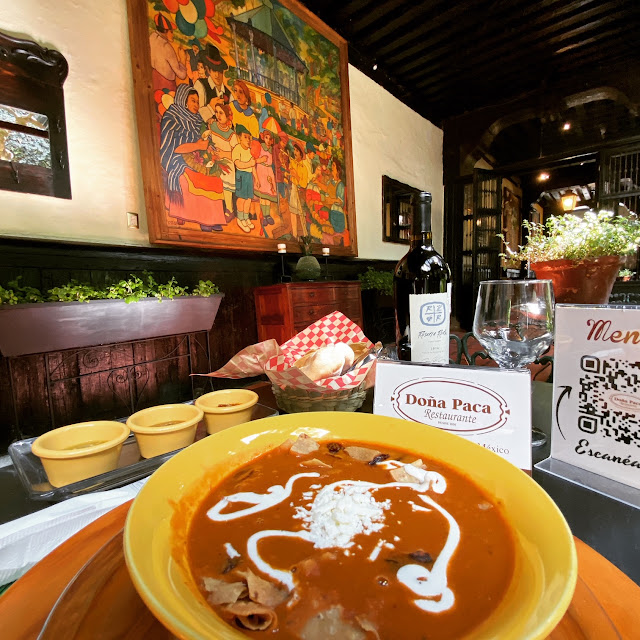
422, 293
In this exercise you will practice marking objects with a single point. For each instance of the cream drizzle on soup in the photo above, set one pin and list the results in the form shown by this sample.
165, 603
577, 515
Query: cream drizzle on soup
350, 550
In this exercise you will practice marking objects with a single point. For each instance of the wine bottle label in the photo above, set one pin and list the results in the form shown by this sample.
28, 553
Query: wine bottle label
429, 327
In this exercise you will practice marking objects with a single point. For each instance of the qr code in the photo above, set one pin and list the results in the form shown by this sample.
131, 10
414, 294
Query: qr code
607, 401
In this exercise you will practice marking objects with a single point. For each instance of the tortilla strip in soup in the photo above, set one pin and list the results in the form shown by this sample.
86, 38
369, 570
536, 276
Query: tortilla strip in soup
350, 542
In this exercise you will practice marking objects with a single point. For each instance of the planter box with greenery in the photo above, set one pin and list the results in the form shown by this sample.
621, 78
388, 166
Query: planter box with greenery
78, 315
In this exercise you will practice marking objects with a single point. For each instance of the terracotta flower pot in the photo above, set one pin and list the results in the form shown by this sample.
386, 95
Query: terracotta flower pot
587, 281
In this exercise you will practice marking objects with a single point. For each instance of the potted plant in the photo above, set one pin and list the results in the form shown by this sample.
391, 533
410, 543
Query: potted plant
377, 304
625, 275
79, 315
307, 267
580, 254
377, 280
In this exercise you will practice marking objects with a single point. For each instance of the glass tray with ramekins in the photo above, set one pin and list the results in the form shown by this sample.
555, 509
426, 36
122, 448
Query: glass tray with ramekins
131, 466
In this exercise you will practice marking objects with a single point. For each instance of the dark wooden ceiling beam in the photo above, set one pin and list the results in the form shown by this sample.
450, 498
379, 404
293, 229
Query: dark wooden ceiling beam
452, 21
436, 99
535, 45
345, 12
568, 75
476, 27
443, 58
428, 15
538, 60
376, 17
503, 36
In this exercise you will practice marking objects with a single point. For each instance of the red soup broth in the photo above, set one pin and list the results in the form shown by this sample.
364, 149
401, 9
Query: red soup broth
404, 573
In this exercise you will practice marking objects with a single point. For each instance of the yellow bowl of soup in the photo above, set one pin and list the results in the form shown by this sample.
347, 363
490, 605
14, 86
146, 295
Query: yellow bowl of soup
226, 408
79, 451
164, 428
512, 550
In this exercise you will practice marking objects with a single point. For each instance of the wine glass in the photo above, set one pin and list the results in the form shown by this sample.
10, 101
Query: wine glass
514, 323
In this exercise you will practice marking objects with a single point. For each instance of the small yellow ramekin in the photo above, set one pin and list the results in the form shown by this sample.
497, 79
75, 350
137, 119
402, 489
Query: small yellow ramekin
155, 436
226, 408
79, 451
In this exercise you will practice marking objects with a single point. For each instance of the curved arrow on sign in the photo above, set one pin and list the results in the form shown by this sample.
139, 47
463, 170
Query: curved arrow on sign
566, 391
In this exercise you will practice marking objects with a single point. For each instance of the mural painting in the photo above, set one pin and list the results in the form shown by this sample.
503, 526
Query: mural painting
248, 118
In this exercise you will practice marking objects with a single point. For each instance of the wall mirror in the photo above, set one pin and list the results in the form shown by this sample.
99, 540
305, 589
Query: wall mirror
397, 210
33, 136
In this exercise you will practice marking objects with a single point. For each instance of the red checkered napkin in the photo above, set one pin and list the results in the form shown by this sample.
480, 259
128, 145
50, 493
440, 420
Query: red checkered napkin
277, 361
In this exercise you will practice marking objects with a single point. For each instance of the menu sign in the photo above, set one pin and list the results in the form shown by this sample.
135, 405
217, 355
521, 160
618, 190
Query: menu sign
596, 395
491, 407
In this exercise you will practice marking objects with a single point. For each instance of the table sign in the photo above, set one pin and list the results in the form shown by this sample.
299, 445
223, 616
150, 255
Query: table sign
596, 395
491, 407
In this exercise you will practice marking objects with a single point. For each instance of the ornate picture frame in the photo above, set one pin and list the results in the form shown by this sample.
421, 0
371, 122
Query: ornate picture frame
244, 125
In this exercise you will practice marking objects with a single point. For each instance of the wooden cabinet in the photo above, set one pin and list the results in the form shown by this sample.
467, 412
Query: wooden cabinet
282, 310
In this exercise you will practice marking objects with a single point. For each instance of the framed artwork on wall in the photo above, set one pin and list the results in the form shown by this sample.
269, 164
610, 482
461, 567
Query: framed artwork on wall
511, 217
244, 125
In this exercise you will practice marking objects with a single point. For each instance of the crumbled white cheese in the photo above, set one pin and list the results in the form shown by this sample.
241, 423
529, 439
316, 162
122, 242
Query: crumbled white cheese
339, 513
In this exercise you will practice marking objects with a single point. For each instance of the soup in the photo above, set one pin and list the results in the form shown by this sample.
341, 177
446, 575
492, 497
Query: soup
321, 540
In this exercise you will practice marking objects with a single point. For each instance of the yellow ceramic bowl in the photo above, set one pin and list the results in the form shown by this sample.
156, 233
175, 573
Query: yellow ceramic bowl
164, 428
79, 451
546, 565
226, 408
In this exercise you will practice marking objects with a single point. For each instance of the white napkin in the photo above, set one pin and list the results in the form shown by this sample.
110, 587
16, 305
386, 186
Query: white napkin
25, 541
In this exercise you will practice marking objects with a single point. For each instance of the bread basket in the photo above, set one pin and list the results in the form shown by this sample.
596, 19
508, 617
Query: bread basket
295, 400
294, 389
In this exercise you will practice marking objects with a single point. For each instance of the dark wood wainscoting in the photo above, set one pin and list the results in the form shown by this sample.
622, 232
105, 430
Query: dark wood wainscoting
42, 391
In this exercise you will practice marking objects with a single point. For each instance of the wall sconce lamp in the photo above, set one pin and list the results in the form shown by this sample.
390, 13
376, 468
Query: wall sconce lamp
569, 202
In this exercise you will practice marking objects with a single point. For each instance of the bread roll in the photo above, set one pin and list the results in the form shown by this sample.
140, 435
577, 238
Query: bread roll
328, 361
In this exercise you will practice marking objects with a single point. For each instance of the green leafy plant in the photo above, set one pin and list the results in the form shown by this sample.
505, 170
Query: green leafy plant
305, 244
570, 237
24, 293
74, 292
171, 290
377, 280
130, 289
134, 288
8, 296
626, 273
205, 288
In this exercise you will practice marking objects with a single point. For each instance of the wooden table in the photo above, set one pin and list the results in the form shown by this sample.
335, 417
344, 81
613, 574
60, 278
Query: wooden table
604, 606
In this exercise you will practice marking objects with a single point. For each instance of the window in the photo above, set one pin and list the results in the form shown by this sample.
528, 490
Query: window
33, 143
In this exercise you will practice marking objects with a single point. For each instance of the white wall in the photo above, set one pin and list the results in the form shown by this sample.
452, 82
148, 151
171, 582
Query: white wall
390, 139
106, 183
104, 160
